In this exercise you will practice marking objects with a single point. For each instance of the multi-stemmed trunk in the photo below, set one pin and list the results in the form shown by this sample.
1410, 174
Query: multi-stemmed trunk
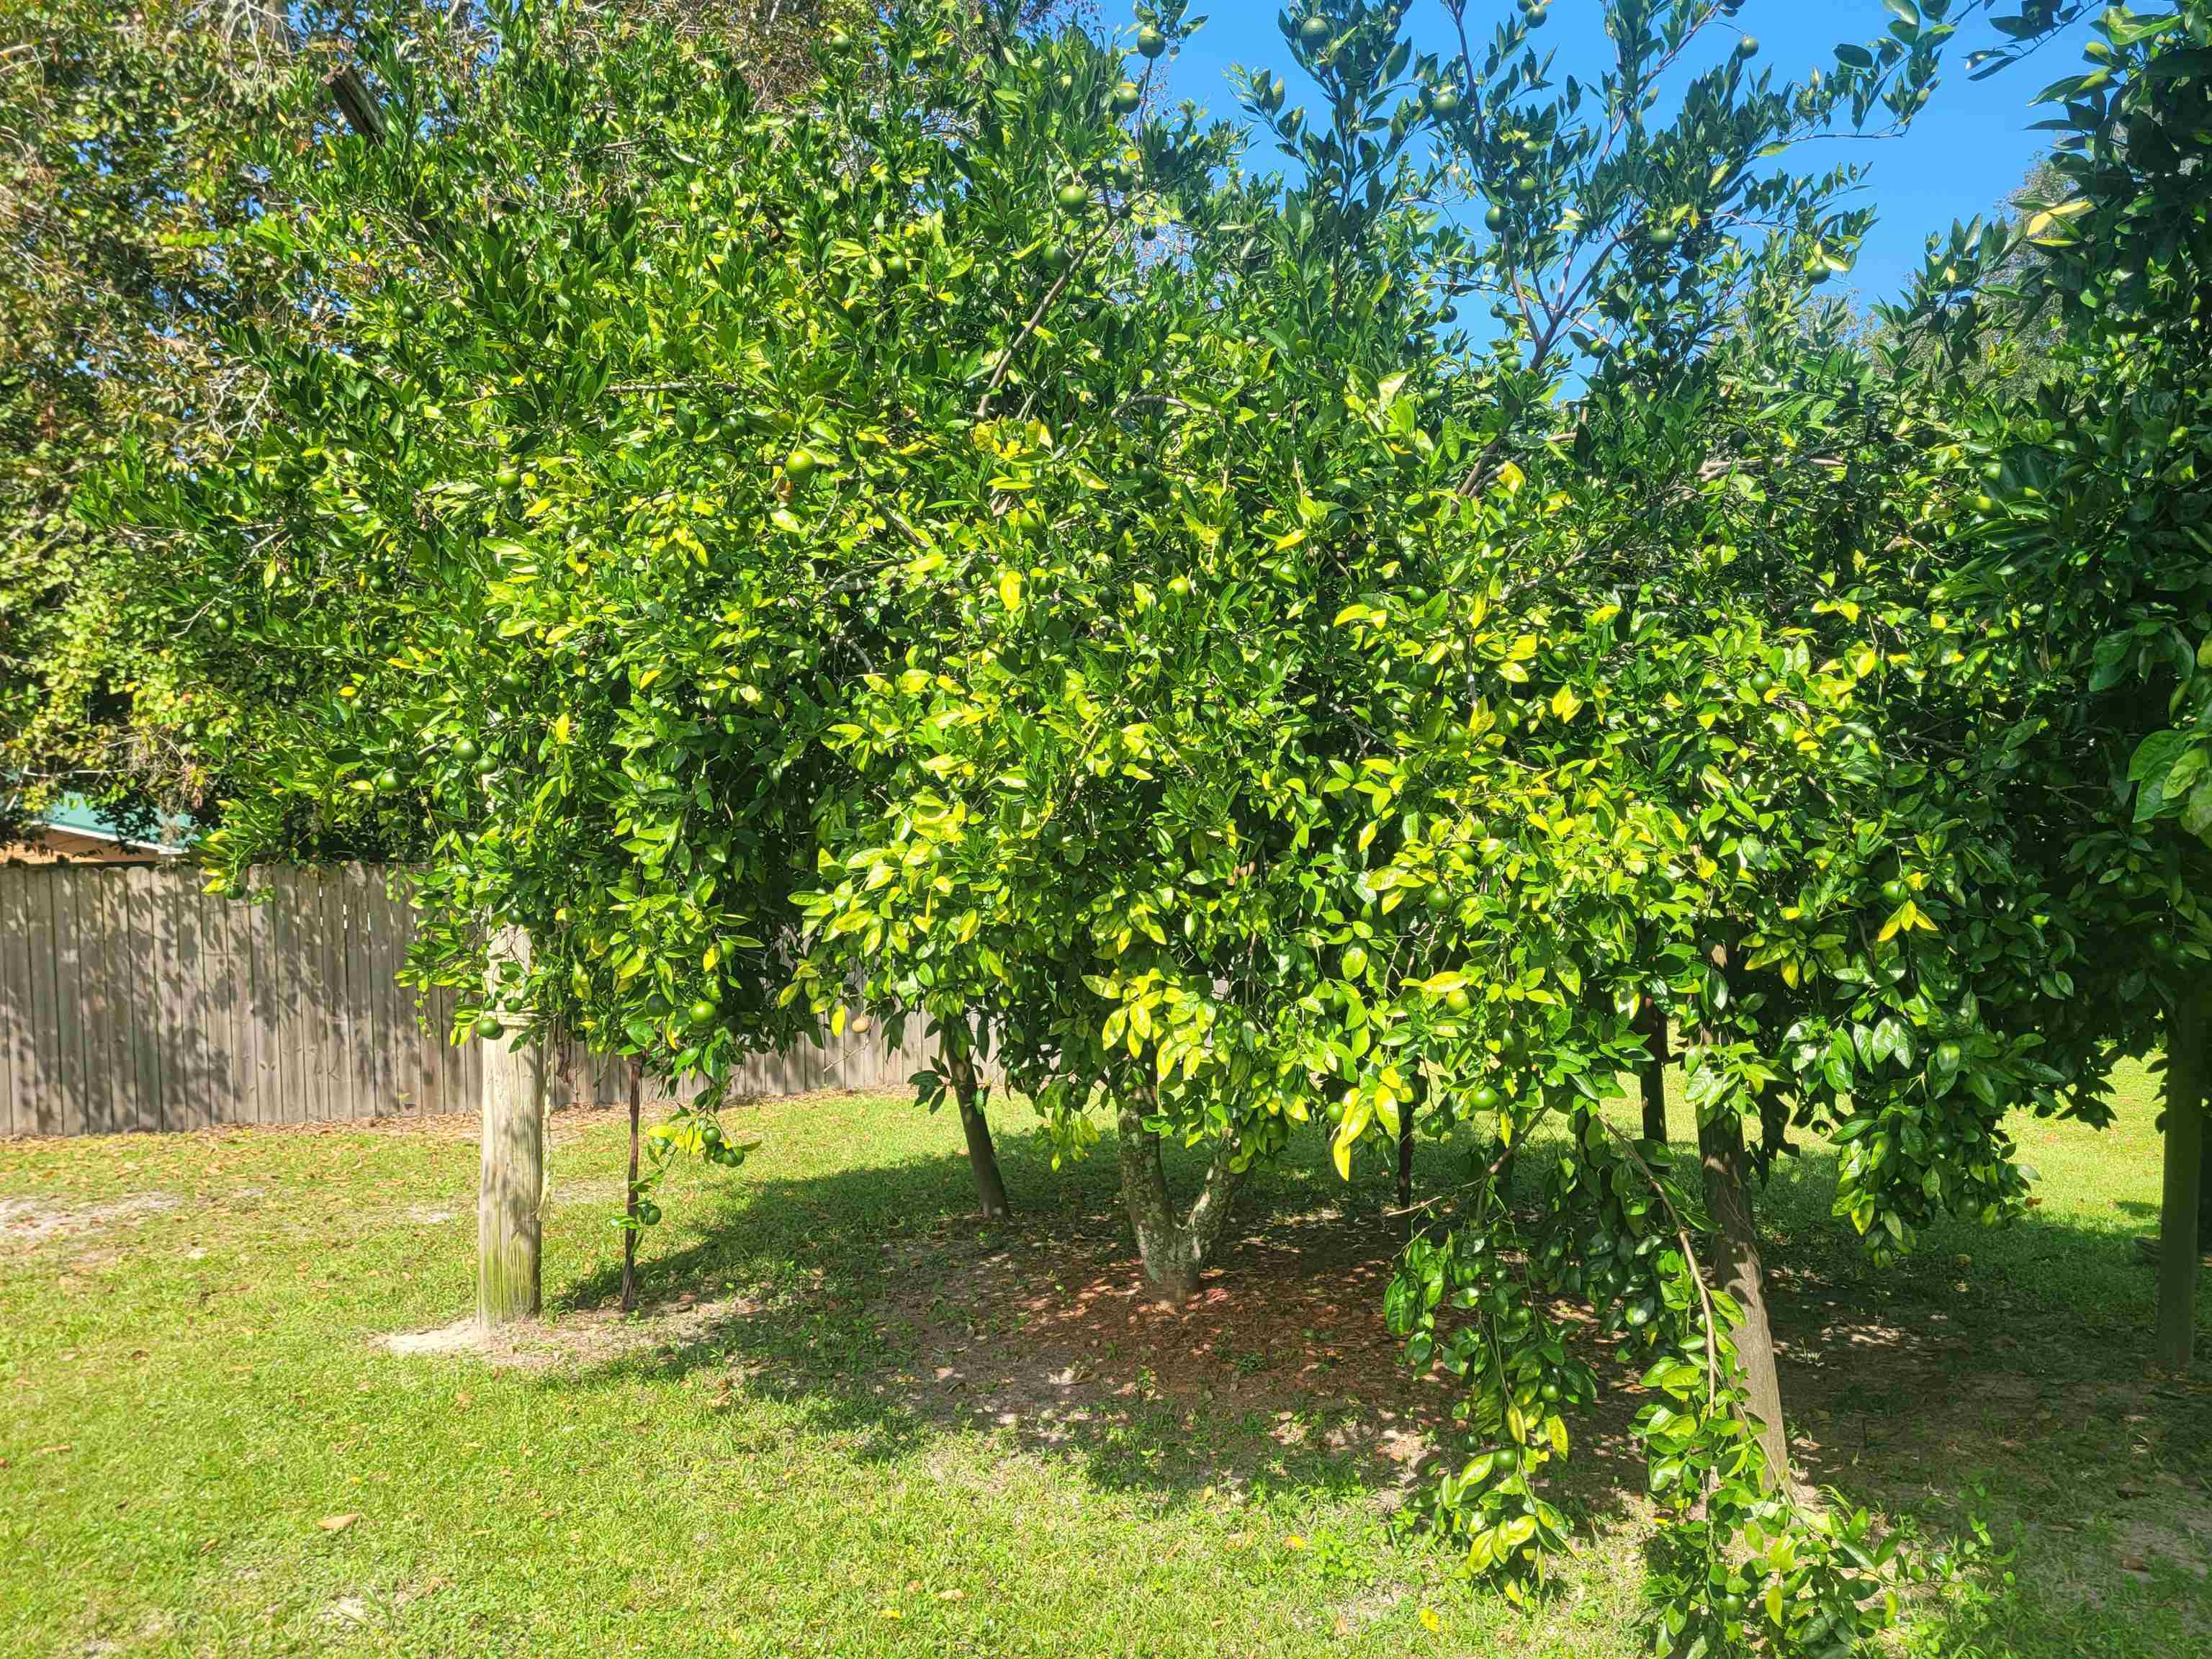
2181, 1213
983, 1156
1175, 1246
511, 1171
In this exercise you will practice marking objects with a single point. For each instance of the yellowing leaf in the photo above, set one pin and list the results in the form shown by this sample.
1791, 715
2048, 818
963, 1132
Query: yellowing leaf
1429, 1620
1009, 589
1356, 1117
1906, 916
1564, 703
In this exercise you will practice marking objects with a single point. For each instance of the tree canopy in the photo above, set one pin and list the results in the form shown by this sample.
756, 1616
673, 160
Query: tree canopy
952, 541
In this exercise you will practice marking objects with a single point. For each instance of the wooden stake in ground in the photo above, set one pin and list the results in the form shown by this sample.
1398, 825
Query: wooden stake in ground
2177, 1253
629, 1204
511, 1174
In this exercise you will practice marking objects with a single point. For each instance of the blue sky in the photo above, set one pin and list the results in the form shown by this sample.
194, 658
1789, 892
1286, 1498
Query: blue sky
1967, 151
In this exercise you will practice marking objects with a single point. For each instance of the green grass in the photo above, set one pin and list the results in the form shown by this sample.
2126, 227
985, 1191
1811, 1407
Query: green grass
890, 1433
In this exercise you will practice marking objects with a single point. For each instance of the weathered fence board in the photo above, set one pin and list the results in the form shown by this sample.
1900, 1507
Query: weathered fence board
130, 999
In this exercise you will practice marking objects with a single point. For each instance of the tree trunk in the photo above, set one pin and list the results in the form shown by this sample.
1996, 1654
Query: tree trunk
1405, 1162
629, 1202
1652, 1073
511, 1176
1407, 1109
270, 21
1173, 1248
2205, 1193
983, 1156
1736, 1269
2179, 1215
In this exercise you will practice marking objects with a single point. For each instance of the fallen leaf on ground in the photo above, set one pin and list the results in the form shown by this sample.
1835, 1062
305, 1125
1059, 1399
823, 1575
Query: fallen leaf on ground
336, 1523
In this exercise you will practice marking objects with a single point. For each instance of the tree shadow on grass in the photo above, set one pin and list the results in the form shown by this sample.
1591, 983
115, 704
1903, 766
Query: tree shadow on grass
1998, 1372
875, 1301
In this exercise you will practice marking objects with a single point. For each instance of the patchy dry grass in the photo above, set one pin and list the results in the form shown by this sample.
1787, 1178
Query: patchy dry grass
850, 1420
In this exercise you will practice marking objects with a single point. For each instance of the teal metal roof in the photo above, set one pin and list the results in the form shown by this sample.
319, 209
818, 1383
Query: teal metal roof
80, 816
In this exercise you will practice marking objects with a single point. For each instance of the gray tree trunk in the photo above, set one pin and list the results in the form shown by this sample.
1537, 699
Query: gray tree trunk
511, 1175
270, 23
1173, 1248
630, 1200
1652, 1073
983, 1156
2178, 1250
2205, 1191
1737, 1268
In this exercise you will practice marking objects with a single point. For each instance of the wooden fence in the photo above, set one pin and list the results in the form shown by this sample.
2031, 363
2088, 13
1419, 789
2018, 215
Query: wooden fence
130, 999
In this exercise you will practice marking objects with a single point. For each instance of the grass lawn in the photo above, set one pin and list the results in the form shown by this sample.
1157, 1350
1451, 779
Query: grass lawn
851, 1421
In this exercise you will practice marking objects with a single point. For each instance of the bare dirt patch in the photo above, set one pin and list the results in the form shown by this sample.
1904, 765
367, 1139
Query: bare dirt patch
591, 1336
29, 1221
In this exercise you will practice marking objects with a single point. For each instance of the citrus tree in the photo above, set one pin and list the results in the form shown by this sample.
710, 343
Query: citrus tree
1105, 793
602, 484
2078, 564
1677, 734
